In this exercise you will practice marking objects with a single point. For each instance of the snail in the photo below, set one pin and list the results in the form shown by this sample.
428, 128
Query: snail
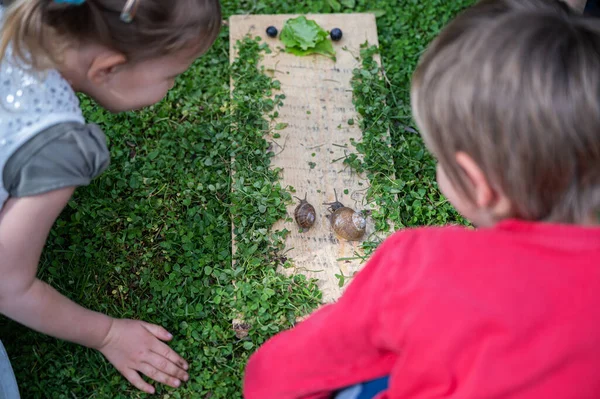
346, 222
305, 214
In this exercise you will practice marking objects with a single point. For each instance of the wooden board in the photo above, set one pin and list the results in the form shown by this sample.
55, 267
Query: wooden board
312, 148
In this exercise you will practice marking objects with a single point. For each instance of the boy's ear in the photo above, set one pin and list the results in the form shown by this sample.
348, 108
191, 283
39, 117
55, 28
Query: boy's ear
486, 197
481, 188
104, 65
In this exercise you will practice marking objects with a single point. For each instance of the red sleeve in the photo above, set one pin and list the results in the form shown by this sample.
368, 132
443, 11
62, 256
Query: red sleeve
335, 347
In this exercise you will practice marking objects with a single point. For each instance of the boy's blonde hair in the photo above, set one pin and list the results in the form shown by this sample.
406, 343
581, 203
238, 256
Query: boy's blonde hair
39, 30
515, 84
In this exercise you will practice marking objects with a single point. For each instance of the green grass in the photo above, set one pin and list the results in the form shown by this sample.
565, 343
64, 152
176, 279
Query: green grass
150, 238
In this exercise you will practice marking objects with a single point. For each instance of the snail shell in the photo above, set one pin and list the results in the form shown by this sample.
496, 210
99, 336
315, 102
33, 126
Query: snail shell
305, 214
346, 222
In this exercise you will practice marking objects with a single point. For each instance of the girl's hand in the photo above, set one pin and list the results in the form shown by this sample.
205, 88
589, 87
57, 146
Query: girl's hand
134, 346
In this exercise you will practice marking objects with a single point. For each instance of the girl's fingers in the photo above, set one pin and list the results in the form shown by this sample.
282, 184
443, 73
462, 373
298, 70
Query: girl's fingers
165, 351
158, 376
157, 331
134, 378
166, 366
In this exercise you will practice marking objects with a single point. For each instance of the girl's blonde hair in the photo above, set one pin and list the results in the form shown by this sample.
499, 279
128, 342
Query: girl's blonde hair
515, 84
38, 30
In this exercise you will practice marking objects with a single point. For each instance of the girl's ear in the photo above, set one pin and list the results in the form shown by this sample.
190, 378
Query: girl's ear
486, 197
103, 66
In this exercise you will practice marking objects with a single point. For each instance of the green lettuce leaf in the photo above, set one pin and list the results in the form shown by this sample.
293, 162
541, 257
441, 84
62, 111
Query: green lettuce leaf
324, 47
302, 33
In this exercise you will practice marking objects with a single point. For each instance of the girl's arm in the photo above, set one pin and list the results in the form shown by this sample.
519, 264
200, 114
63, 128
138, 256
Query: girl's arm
24, 227
130, 345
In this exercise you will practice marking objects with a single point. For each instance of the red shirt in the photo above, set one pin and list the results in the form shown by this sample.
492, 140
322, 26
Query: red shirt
507, 312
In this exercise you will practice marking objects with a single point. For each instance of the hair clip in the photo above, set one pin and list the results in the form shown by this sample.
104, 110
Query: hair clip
129, 10
73, 2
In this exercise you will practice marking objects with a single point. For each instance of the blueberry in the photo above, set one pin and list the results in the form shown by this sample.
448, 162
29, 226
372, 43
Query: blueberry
272, 31
336, 34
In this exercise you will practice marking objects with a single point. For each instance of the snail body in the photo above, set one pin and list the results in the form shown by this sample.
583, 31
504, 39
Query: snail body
305, 214
346, 222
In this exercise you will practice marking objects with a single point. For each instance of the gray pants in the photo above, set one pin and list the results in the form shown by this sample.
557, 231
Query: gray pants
8, 383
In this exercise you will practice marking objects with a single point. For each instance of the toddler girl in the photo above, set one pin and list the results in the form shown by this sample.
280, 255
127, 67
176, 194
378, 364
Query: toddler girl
125, 54
508, 101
